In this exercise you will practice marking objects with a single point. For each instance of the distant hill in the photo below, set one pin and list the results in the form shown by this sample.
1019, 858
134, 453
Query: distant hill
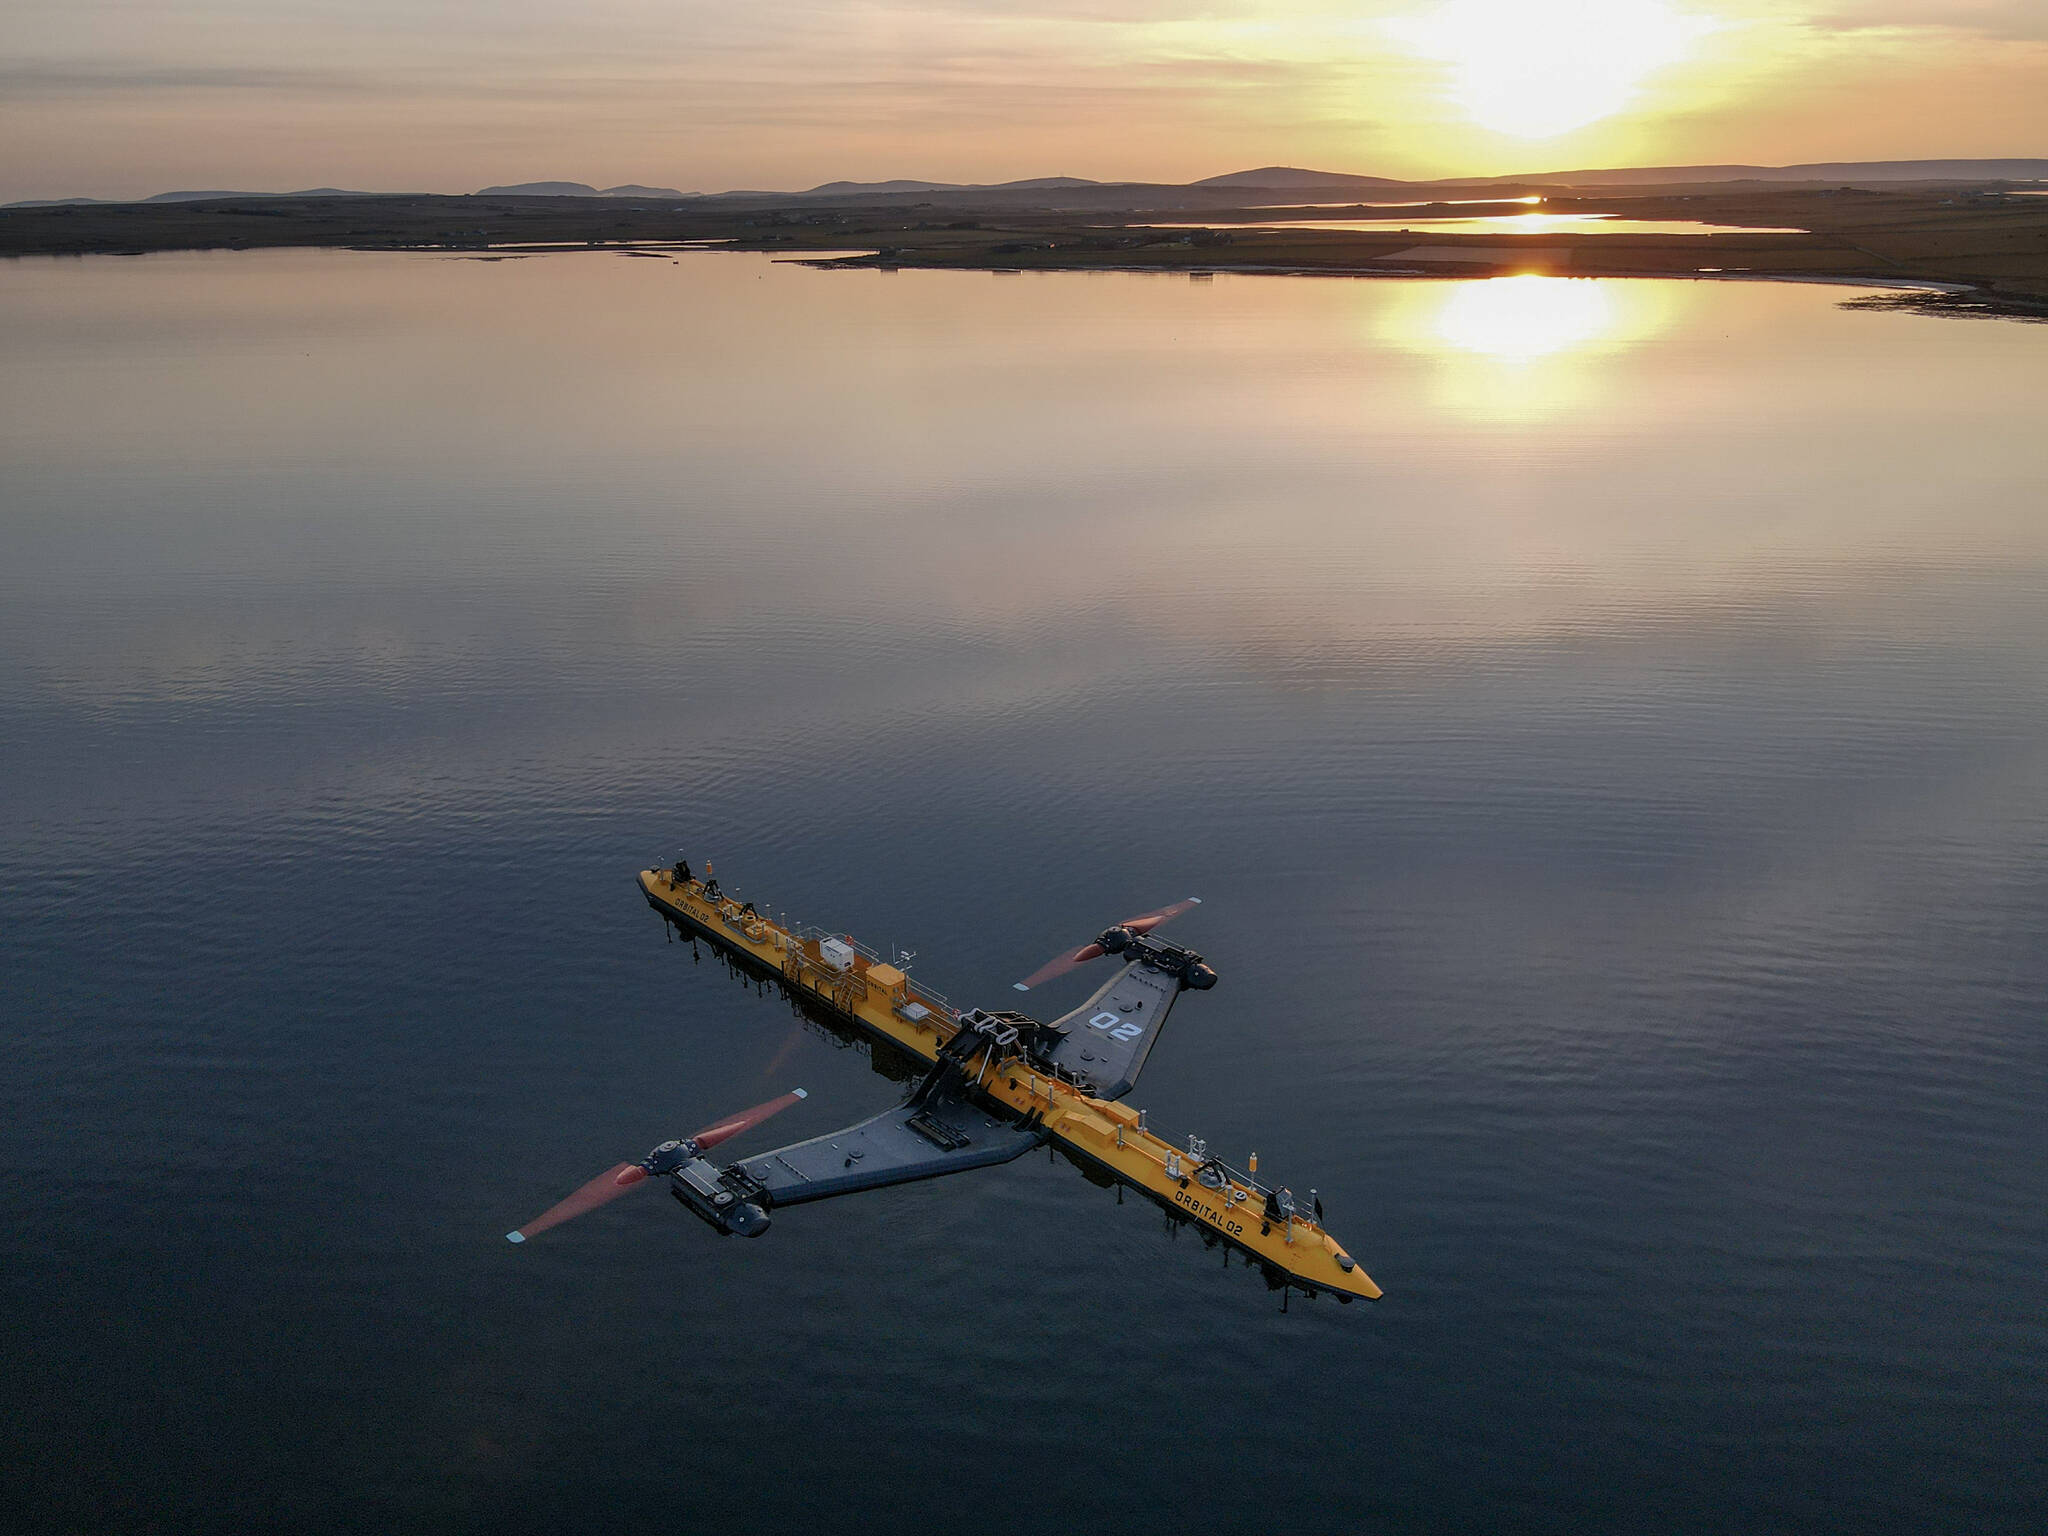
577, 189
1033, 182
1292, 176
855, 188
1278, 178
883, 188
1824, 170
183, 197
541, 189
200, 197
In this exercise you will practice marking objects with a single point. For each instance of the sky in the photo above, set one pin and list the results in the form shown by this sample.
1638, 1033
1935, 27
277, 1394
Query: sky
117, 98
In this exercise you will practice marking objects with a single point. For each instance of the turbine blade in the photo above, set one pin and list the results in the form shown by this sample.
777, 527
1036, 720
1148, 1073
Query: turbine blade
1059, 966
606, 1187
1145, 922
746, 1119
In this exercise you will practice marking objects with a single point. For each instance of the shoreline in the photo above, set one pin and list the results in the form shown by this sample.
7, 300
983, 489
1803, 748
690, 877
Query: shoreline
1956, 242
1973, 299
1828, 279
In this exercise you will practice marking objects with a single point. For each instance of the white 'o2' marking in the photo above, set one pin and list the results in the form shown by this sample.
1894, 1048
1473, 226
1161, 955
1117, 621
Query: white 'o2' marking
1117, 1027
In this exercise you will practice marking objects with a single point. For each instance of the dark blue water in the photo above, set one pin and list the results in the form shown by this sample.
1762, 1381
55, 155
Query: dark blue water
1607, 724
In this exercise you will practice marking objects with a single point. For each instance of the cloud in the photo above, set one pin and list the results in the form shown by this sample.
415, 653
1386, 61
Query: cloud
126, 96
87, 77
2015, 20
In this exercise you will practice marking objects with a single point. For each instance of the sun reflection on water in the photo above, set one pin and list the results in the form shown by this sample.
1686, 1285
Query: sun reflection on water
1525, 348
1525, 317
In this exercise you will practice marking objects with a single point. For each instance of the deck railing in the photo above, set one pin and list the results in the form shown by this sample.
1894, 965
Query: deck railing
930, 996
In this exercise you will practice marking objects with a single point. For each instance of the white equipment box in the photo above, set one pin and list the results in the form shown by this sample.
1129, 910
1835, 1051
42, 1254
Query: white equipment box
836, 953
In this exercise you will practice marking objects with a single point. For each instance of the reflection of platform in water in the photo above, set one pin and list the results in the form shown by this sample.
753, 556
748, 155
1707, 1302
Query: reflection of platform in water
1276, 1279
889, 1058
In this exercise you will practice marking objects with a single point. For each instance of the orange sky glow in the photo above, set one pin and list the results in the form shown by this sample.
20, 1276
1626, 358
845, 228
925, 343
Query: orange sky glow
123, 97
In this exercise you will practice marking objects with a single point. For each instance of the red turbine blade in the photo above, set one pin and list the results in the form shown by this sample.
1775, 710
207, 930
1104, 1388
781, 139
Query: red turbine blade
732, 1125
1145, 922
1060, 966
607, 1186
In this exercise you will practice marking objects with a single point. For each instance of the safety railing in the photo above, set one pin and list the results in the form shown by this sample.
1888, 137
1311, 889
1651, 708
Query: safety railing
1196, 1157
931, 997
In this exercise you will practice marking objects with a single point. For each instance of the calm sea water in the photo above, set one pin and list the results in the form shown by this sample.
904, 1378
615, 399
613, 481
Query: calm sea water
1607, 723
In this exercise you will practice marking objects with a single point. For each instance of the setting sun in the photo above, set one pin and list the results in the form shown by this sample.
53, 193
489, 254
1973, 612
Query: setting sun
1535, 72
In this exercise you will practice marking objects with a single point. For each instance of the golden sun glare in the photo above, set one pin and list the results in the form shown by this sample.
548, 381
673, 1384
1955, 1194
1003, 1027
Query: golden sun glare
1519, 318
1535, 69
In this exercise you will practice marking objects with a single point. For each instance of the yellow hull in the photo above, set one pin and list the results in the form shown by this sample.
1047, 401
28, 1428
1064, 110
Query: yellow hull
1109, 1134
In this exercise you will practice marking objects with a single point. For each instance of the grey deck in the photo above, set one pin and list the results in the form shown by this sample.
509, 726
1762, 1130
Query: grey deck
1110, 1035
888, 1150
